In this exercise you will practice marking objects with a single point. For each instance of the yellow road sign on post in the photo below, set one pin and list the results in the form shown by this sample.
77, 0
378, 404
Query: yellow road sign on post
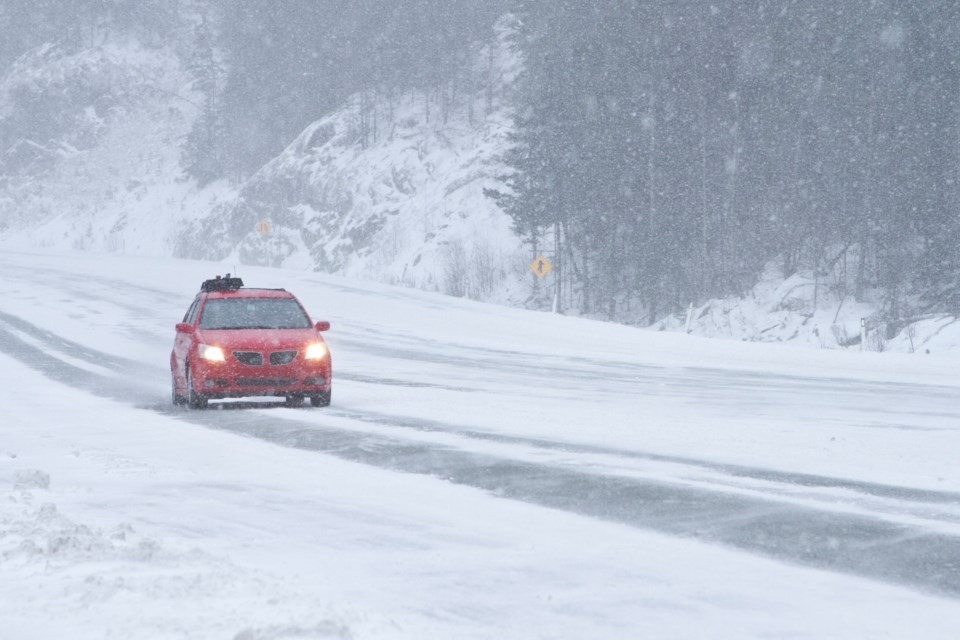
264, 227
540, 266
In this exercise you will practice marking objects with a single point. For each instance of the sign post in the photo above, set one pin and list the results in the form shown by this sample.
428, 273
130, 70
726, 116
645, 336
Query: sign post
541, 267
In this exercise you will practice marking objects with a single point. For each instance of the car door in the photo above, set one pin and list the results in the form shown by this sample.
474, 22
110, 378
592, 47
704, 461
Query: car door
183, 342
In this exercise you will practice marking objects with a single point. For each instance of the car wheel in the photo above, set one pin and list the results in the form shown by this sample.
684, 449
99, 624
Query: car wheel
321, 399
294, 401
178, 400
194, 400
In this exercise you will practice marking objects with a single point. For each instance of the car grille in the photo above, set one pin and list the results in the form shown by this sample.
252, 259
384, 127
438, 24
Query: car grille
282, 357
252, 358
265, 382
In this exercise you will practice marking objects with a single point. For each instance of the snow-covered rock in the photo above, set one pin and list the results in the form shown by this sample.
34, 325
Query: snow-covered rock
801, 309
91, 158
403, 203
93, 162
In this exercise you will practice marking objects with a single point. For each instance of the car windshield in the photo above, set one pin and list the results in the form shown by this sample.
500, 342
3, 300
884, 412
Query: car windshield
253, 313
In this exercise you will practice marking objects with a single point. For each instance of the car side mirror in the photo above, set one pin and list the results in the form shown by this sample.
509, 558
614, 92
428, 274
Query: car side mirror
184, 327
323, 325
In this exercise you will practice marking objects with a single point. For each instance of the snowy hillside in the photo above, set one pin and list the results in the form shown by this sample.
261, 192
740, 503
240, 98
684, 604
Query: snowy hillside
406, 207
94, 158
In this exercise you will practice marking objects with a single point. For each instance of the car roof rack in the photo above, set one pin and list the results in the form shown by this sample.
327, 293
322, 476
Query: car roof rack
221, 284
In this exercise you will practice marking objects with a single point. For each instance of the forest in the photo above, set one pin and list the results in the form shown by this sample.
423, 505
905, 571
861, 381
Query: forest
679, 146
664, 151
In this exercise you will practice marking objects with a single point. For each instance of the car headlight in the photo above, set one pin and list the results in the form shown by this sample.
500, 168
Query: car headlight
211, 354
316, 351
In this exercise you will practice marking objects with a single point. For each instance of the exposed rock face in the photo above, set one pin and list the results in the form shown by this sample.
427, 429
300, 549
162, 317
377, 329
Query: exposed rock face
399, 198
387, 188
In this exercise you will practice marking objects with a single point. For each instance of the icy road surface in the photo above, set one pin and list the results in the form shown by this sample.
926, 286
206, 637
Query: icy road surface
483, 472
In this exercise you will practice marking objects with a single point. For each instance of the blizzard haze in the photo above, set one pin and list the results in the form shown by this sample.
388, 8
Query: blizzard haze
727, 411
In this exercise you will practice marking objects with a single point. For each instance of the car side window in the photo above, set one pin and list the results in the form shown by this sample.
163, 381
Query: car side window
191, 314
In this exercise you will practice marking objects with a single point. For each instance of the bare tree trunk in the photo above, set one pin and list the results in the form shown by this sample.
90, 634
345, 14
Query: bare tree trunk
375, 120
470, 90
868, 187
706, 266
586, 286
651, 276
861, 268
362, 118
445, 90
557, 246
390, 105
491, 49
731, 204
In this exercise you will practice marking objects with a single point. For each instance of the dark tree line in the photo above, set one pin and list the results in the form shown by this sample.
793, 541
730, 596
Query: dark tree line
678, 146
80, 23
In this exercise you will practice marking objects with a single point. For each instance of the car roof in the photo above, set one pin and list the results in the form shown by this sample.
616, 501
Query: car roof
249, 293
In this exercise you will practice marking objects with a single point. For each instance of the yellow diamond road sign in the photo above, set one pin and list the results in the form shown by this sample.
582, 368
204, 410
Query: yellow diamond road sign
264, 227
541, 266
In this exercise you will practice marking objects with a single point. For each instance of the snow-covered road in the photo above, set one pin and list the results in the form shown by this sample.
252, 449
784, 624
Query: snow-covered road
483, 472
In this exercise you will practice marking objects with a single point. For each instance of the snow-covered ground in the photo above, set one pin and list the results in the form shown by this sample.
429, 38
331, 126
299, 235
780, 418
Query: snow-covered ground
802, 310
483, 472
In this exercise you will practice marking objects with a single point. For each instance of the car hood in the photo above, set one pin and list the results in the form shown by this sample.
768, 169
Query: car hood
258, 339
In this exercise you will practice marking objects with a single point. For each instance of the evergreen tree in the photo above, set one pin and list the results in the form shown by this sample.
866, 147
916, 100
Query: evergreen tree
685, 144
203, 151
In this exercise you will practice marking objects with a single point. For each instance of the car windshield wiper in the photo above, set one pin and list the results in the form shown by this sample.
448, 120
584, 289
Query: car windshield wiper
249, 327
237, 328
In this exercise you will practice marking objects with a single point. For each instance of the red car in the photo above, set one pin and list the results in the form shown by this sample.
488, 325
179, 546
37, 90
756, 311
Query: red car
235, 342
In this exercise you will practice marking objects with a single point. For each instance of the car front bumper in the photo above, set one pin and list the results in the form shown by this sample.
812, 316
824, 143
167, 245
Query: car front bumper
232, 380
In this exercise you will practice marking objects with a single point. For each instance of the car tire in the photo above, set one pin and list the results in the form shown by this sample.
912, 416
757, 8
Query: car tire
194, 400
321, 399
178, 400
293, 401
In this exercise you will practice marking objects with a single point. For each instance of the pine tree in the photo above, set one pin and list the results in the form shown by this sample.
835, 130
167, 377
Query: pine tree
203, 152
